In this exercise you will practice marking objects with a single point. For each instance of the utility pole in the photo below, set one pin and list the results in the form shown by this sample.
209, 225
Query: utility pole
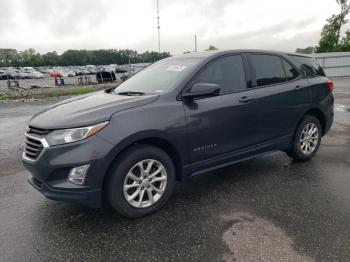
158, 27
195, 43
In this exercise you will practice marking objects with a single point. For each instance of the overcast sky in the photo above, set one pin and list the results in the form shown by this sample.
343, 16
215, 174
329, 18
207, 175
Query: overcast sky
48, 25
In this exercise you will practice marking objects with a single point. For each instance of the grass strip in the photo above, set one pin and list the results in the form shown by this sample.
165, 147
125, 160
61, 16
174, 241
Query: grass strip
56, 93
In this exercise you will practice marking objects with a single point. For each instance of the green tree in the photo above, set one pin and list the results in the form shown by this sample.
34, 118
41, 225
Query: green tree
10, 57
51, 59
150, 57
211, 48
307, 50
330, 36
345, 42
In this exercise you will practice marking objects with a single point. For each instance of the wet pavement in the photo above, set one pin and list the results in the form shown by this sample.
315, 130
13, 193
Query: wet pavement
267, 209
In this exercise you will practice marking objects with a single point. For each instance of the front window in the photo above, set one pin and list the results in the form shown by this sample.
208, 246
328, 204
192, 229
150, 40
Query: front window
159, 77
227, 72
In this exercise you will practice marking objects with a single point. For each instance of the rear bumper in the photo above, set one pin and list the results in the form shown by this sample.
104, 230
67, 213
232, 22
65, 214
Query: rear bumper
329, 122
87, 198
328, 111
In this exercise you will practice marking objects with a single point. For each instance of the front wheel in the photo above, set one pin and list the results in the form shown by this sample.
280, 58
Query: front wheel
307, 139
141, 182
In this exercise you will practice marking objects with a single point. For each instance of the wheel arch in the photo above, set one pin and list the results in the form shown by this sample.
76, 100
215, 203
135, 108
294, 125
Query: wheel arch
316, 112
153, 138
168, 148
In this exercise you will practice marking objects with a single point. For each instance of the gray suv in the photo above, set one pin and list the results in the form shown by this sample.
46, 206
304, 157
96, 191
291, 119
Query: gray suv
177, 118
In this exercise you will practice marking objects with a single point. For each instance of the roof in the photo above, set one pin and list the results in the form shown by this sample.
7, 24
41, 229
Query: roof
222, 52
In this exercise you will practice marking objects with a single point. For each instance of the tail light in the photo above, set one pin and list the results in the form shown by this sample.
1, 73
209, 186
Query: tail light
330, 85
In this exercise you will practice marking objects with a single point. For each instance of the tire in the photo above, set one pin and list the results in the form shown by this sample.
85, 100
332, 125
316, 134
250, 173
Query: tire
124, 173
299, 150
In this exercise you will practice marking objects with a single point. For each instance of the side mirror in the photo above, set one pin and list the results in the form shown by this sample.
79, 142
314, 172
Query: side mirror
202, 90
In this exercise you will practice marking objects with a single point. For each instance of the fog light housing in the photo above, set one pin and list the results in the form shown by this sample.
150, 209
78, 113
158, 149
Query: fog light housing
77, 174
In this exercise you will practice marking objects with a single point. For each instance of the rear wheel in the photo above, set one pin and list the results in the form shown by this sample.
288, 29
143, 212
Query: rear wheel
307, 139
141, 182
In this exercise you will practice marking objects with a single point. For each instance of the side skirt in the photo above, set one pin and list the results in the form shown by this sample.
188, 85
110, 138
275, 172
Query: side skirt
231, 158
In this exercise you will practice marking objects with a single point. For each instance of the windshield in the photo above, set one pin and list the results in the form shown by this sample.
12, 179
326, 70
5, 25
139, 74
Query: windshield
159, 77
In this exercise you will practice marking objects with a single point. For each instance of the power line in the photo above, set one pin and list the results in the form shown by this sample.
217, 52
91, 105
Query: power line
158, 27
195, 43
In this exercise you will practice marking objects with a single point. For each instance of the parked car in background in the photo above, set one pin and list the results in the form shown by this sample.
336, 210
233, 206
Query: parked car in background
31, 73
70, 72
23, 73
16, 74
27, 68
91, 69
84, 71
42, 70
26, 72
76, 70
3, 75
37, 75
106, 69
26, 75
48, 71
121, 69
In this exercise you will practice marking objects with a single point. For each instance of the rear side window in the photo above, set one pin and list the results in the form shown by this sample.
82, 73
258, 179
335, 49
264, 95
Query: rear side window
308, 65
268, 69
291, 72
227, 72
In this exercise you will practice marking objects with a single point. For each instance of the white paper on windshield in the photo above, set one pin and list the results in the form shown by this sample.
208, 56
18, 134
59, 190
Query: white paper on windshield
177, 68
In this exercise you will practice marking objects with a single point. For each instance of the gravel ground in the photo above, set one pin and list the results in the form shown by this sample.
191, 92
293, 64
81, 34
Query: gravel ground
266, 209
48, 84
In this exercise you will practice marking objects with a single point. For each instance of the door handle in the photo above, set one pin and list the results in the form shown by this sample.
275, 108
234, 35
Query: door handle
246, 99
298, 88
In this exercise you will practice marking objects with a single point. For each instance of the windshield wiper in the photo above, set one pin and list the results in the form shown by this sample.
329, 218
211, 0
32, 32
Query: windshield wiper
131, 93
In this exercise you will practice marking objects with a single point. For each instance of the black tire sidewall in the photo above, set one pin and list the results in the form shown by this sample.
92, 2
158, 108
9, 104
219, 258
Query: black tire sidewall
296, 150
119, 171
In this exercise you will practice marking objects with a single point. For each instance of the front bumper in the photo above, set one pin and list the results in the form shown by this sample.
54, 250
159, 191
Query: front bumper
49, 173
88, 198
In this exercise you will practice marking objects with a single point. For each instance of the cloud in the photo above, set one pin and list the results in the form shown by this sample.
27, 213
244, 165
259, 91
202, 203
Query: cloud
47, 25
6, 16
66, 18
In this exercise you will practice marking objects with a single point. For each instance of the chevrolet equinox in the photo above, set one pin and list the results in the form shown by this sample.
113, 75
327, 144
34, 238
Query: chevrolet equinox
175, 119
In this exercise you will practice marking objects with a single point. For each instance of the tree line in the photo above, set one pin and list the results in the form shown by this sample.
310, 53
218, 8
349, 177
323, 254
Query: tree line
331, 39
14, 58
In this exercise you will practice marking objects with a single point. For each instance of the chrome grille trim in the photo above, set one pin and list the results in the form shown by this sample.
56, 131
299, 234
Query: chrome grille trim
34, 147
37, 131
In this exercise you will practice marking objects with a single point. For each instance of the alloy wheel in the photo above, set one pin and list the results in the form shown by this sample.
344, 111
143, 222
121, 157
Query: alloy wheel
309, 138
145, 183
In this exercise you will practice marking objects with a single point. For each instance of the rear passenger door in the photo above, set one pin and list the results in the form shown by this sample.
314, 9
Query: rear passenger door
281, 94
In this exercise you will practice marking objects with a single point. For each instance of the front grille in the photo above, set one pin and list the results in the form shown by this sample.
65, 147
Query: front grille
37, 131
33, 148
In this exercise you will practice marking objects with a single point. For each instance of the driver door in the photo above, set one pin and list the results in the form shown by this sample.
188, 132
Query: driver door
220, 126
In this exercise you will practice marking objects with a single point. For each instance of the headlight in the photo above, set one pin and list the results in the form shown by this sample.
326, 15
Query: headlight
65, 136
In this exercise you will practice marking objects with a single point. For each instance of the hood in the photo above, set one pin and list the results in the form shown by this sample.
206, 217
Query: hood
87, 109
